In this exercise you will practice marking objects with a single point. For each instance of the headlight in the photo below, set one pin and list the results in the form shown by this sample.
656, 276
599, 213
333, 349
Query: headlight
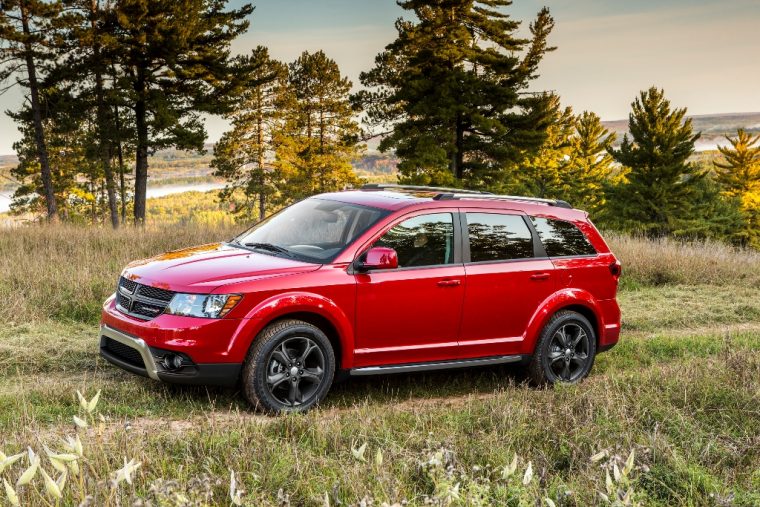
210, 306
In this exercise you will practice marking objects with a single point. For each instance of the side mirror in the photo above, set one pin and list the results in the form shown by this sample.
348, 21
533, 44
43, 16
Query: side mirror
379, 257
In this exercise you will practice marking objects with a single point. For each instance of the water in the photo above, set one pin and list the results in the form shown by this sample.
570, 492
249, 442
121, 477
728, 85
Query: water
5, 197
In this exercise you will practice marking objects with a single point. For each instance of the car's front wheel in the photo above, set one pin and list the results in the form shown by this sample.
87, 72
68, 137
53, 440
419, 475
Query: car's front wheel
565, 350
290, 367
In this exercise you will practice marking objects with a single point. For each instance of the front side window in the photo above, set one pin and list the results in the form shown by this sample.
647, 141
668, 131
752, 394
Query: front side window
425, 240
561, 238
313, 230
496, 237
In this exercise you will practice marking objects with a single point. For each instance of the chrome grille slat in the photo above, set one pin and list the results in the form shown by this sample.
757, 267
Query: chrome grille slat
141, 301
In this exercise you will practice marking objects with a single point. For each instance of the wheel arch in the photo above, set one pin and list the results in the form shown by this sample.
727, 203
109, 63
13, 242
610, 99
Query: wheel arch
308, 307
575, 300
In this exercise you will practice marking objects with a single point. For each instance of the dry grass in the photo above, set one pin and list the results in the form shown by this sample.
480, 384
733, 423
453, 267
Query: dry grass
681, 389
669, 261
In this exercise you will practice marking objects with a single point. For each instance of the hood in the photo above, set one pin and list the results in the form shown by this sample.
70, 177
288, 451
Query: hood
204, 268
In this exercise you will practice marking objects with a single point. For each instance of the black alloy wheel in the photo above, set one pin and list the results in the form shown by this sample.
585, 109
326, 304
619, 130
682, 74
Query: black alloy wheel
290, 367
565, 350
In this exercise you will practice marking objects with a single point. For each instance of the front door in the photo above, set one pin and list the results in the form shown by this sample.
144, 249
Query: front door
412, 314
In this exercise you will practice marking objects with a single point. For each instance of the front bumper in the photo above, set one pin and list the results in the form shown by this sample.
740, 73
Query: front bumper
134, 355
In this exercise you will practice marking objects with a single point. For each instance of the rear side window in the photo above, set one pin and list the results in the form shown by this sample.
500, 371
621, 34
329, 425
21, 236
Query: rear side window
562, 239
495, 237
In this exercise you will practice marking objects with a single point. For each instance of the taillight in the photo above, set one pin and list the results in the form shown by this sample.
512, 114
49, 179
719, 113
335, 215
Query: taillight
616, 269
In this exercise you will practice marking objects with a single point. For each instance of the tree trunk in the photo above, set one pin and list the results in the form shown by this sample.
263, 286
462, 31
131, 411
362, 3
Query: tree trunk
457, 157
39, 133
141, 162
101, 118
260, 162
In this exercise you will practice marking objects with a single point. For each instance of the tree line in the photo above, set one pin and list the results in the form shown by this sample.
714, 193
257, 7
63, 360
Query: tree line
451, 97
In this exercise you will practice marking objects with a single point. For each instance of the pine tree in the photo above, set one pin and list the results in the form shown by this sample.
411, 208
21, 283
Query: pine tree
244, 155
451, 89
544, 173
320, 135
739, 177
24, 35
591, 168
739, 172
175, 56
660, 190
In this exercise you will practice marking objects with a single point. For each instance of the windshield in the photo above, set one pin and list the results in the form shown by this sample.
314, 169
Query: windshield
313, 230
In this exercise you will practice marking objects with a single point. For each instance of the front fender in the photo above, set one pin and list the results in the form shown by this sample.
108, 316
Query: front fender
279, 306
554, 303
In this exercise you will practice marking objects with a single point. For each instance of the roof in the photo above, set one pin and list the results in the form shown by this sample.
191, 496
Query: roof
395, 197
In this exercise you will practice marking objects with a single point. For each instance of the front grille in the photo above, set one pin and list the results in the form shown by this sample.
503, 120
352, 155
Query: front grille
124, 352
141, 301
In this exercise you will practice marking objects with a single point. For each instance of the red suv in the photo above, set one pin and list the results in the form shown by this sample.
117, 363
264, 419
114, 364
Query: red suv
385, 279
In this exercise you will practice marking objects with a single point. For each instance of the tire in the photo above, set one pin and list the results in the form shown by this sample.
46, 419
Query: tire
289, 368
553, 363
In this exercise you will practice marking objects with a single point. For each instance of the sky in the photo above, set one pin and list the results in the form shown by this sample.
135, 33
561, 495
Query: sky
703, 53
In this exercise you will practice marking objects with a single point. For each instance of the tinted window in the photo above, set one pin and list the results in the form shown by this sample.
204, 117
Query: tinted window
562, 238
496, 237
425, 240
314, 230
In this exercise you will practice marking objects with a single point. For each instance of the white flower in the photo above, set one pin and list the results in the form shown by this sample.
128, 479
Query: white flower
80, 422
125, 472
359, 453
30, 472
51, 486
528, 474
11, 494
6, 461
235, 494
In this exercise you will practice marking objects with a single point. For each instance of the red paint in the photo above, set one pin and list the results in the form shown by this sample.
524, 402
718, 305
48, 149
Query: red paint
383, 314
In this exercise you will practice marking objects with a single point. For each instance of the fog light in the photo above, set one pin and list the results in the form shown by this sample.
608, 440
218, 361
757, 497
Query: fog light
173, 362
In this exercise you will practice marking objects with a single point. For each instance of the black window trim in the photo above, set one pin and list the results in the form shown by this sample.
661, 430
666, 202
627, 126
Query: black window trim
540, 243
538, 248
457, 243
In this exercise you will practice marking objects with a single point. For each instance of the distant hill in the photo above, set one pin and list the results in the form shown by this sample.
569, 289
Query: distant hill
714, 127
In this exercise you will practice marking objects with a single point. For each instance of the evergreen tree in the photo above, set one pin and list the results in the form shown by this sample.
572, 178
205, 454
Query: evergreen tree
660, 190
244, 155
175, 56
544, 173
452, 90
24, 37
739, 171
320, 135
591, 167
739, 177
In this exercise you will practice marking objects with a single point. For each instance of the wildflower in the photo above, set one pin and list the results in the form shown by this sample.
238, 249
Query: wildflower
80, 422
528, 474
50, 485
74, 445
379, 458
125, 473
29, 473
6, 461
598, 456
235, 494
508, 470
359, 453
11, 494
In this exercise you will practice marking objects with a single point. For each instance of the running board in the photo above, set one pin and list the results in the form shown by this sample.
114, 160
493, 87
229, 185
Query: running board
438, 365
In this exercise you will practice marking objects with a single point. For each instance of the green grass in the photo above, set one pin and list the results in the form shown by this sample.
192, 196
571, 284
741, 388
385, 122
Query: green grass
682, 390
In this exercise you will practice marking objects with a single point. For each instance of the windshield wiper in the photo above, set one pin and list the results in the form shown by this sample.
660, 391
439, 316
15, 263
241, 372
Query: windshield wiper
270, 247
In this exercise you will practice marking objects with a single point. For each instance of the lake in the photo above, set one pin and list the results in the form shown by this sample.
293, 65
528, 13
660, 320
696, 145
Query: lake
158, 191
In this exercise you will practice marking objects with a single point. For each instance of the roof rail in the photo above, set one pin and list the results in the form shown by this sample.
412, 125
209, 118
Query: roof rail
422, 188
448, 193
460, 195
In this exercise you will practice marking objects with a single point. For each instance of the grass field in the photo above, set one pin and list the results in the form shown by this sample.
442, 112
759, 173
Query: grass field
682, 390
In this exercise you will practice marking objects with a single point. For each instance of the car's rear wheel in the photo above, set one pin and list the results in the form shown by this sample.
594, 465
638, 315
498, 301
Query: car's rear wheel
289, 368
565, 350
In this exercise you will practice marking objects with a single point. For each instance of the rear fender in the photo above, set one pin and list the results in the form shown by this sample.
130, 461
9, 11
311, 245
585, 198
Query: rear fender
554, 303
281, 305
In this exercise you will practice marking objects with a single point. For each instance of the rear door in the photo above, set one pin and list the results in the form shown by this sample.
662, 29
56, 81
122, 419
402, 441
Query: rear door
507, 278
411, 314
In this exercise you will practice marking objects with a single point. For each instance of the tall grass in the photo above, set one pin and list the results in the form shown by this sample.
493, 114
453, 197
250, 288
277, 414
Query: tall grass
64, 272
669, 261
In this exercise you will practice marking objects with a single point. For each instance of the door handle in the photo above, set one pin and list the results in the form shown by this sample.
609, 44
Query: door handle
539, 276
449, 283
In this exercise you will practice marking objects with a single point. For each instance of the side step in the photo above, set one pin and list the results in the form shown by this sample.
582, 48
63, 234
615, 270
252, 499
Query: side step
438, 365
